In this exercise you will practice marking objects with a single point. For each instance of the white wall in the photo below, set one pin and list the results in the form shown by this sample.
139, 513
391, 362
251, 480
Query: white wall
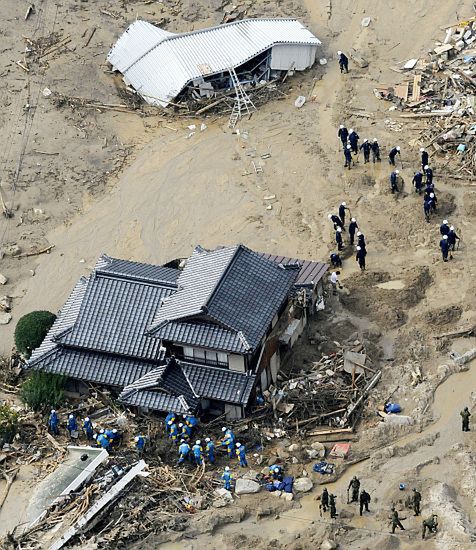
237, 363
283, 56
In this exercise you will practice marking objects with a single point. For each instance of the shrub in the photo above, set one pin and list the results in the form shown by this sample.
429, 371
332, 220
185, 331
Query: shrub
43, 390
31, 330
8, 423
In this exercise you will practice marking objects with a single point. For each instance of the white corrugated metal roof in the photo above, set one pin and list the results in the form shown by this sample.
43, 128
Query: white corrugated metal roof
159, 64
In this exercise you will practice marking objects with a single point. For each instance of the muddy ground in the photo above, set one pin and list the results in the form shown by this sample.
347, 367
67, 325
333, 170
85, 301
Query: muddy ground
132, 185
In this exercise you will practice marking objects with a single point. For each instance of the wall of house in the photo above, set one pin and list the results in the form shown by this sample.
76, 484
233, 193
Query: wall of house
237, 362
233, 412
283, 56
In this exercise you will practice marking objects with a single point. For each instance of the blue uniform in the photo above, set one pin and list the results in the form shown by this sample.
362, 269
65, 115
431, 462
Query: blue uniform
444, 229
429, 175
418, 181
352, 230
72, 425
339, 240
88, 429
184, 450
192, 421
229, 443
242, 456
197, 454
354, 142
140, 442
348, 158
394, 182
103, 441
445, 247
53, 423
343, 134
170, 416
227, 477
173, 433
391, 156
210, 448
276, 475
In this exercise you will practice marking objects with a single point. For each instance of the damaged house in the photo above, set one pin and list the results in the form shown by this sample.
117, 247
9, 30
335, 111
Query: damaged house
203, 338
164, 67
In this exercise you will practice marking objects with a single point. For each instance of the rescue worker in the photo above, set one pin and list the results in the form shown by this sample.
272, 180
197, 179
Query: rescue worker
170, 416
427, 208
396, 521
354, 484
184, 451
444, 228
431, 524
360, 257
227, 477
334, 279
432, 200
428, 174
375, 150
343, 62
365, 147
361, 240
354, 141
352, 229
416, 501
339, 242
276, 471
191, 420
418, 182
348, 157
140, 444
465, 414
364, 501
173, 431
332, 505
424, 158
115, 438
342, 208
393, 153
72, 425
452, 238
394, 181
343, 134
88, 428
336, 260
103, 441
325, 500
242, 455
335, 220
53, 422
197, 452
210, 448
229, 442
445, 247
185, 431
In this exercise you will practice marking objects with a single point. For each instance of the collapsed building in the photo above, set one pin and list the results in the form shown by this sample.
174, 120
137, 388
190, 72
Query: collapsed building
204, 338
164, 67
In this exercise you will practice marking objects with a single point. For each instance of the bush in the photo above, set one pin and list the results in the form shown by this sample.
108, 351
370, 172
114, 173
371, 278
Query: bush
8, 423
31, 329
41, 390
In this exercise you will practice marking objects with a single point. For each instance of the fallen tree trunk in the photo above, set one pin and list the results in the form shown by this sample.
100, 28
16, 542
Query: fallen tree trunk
9, 479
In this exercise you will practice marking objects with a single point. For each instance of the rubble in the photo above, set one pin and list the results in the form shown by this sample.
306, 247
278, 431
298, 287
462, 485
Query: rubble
303, 484
246, 486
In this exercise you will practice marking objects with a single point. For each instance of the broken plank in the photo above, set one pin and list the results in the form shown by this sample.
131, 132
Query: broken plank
416, 87
401, 91
42, 251
91, 34
335, 431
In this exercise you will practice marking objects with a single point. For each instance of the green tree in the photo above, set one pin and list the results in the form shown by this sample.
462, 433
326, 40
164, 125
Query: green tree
8, 423
31, 329
43, 390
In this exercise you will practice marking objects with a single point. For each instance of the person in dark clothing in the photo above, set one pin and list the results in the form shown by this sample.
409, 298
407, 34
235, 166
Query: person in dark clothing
465, 414
395, 519
444, 228
452, 238
361, 240
325, 500
393, 153
365, 147
433, 200
336, 260
348, 157
336, 221
343, 134
375, 151
424, 158
354, 484
364, 501
342, 208
352, 229
332, 505
416, 502
431, 524
339, 242
354, 141
418, 182
343, 62
394, 181
427, 208
429, 188
428, 174
360, 257
445, 247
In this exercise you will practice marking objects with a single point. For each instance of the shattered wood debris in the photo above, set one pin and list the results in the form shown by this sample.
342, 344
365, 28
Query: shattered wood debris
443, 90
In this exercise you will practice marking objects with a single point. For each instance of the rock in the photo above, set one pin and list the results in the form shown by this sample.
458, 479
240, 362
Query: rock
328, 545
282, 453
294, 460
3, 279
294, 447
223, 493
276, 493
312, 453
5, 303
5, 317
287, 496
320, 448
302, 484
11, 250
246, 487
345, 514
251, 474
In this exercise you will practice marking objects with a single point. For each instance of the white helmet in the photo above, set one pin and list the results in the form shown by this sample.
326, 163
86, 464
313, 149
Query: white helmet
349, 147
445, 236
95, 436
359, 233
359, 248
432, 195
344, 204
397, 172
339, 53
71, 416
227, 468
114, 431
207, 439
339, 229
238, 445
102, 431
184, 416
375, 139
182, 441
351, 130
422, 149
330, 217
365, 140
445, 222
198, 442
398, 148
452, 228
341, 126
180, 425
353, 220
86, 419
170, 422
276, 470
426, 167
223, 429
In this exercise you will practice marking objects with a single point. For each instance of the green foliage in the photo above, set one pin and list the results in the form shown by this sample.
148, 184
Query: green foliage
8, 423
42, 390
31, 330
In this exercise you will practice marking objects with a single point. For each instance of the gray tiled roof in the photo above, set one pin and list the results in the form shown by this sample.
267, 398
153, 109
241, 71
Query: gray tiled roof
138, 271
234, 288
159, 401
310, 272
